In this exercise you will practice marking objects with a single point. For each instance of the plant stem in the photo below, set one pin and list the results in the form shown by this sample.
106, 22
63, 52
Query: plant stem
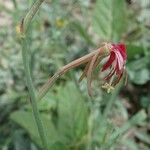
49, 83
26, 58
29, 16
85, 59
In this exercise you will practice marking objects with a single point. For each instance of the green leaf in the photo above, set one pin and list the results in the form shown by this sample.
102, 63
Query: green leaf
70, 125
47, 103
140, 76
144, 101
130, 144
20, 142
59, 146
109, 19
82, 31
143, 136
138, 71
134, 50
137, 119
26, 120
72, 111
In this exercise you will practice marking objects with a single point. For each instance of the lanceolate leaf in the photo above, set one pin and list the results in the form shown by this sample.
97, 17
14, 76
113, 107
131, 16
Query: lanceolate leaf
109, 19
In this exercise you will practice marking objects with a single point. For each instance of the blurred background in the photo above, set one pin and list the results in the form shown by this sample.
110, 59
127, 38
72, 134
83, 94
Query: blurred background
62, 31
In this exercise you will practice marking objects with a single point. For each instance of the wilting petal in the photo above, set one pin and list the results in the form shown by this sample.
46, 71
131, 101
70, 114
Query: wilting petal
89, 73
120, 61
110, 61
112, 72
84, 72
118, 78
117, 60
122, 47
122, 50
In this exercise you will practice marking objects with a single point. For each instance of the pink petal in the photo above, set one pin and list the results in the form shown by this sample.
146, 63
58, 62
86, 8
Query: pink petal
109, 62
122, 49
120, 60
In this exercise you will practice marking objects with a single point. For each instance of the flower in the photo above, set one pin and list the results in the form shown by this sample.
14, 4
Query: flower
115, 63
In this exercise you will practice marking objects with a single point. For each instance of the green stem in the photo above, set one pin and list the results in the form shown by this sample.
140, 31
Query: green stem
31, 13
26, 59
29, 16
25, 52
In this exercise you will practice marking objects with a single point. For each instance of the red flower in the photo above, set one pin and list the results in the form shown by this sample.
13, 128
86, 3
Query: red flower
116, 62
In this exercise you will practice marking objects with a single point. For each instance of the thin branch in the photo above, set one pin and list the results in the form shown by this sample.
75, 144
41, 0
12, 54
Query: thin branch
101, 52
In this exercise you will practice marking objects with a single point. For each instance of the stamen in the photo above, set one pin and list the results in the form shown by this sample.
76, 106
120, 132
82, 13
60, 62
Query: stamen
108, 87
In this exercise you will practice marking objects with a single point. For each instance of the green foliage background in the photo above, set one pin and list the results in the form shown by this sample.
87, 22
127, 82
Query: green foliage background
63, 31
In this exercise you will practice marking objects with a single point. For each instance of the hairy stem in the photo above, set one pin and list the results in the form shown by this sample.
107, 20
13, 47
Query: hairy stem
29, 16
26, 60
